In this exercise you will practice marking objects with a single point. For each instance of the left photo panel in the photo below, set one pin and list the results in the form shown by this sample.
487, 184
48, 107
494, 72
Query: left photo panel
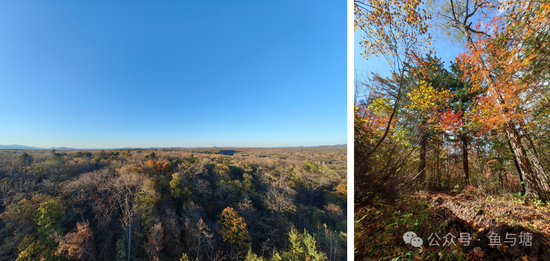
137, 130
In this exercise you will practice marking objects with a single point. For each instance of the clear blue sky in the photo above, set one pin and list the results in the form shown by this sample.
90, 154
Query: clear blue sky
444, 49
97, 73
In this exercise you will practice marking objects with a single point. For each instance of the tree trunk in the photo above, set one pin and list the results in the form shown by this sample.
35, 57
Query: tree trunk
438, 173
499, 178
423, 144
541, 174
464, 139
519, 169
529, 178
129, 240
311, 191
199, 246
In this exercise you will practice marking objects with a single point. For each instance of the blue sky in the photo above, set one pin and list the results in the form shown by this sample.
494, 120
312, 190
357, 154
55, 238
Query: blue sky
444, 49
172, 73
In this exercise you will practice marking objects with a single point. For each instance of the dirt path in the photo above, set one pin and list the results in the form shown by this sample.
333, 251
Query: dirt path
493, 234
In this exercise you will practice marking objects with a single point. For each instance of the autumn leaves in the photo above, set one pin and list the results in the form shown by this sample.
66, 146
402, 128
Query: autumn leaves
391, 28
504, 63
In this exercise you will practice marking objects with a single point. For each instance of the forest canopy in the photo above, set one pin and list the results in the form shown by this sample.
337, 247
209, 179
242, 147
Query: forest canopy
434, 141
174, 204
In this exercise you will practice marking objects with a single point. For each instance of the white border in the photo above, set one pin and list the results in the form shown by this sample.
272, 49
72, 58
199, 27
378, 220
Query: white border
350, 175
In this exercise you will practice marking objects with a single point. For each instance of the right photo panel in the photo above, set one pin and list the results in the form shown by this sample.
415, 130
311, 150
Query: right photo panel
451, 130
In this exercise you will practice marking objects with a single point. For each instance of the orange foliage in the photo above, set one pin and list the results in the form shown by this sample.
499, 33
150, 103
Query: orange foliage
392, 28
78, 243
159, 166
494, 64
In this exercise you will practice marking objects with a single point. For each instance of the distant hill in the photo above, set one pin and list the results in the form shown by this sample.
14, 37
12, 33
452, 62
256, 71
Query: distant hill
335, 146
18, 147
23, 147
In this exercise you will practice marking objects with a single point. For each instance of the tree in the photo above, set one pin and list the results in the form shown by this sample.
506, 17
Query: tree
95, 189
198, 235
122, 253
251, 256
342, 191
172, 236
78, 244
48, 222
378, 175
427, 100
102, 155
528, 31
159, 166
448, 117
32, 249
528, 23
301, 247
154, 244
23, 161
541, 173
127, 187
458, 119
334, 212
400, 45
179, 188
21, 215
233, 230
279, 200
491, 63
330, 241
309, 177
184, 257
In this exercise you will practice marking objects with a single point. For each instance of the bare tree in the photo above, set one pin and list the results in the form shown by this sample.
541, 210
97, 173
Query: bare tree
126, 188
222, 194
197, 233
154, 244
172, 237
279, 199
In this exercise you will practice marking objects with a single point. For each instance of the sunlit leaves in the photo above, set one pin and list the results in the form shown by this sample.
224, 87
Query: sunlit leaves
528, 23
380, 106
426, 98
392, 28
302, 246
499, 60
48, 219
159, 166
342, 190
233, 228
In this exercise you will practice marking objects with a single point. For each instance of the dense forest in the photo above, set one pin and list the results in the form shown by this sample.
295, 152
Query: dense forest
174, 204
455, 155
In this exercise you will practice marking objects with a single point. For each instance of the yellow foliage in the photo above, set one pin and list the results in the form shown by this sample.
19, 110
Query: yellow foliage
233, 228
426, 98
342, 190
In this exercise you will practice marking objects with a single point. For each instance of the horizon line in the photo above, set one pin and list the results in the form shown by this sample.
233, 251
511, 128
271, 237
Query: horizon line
2, 147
